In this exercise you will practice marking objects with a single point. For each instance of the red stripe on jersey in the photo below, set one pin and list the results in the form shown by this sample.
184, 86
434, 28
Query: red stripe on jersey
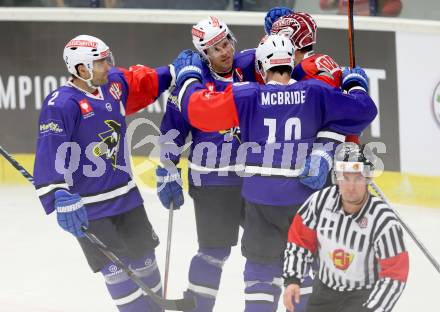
301, 235
353, 138
395, 267
143, 87
213, 111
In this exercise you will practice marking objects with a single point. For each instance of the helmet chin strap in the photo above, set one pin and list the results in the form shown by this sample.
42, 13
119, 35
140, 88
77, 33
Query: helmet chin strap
88, 81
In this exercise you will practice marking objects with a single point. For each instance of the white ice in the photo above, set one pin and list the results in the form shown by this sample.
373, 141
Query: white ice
42, 268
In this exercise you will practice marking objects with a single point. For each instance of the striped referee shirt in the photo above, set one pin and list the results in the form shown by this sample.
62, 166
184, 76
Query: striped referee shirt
364, 250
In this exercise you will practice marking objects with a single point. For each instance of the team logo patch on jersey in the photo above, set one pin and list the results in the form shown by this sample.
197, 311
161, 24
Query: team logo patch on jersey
115, 90
86, 109
436, 103
341, 259
109, 145
363, 222
231, 133
108, 106
53, 127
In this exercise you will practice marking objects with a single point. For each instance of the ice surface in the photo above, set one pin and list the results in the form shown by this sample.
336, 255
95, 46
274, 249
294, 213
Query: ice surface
43, 269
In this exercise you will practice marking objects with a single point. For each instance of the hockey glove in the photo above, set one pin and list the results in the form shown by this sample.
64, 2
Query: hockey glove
272, 15
354, 78
187, 64
169, 187
316, 169
71, 214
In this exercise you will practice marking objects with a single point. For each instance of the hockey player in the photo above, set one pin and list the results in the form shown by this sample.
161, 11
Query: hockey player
214, 184
357, 239
81, 171
279, 121
300, 27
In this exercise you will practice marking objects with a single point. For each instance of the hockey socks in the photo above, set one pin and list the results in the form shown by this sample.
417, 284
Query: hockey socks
263, 286
127, 296
204, 276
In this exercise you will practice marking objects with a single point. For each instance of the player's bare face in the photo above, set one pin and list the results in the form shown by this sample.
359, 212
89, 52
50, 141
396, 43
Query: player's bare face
100, 72
353, 190
221, 56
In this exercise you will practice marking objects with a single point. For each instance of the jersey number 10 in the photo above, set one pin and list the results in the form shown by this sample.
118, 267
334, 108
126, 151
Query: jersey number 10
289, 130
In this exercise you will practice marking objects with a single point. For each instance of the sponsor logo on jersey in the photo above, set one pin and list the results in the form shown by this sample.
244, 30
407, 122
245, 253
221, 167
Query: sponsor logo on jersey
109, 145
51, 127
108, 106
115, 90
86, 109
436, 103
197, 33
341, 259
82, 43
174, 99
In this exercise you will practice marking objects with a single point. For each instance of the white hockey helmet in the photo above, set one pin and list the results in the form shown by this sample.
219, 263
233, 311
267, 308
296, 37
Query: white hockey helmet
274, 51
85, 49
209, 32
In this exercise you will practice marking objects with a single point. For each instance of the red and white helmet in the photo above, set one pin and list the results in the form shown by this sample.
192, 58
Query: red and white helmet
274, 51
209, 32
85, 49
300, 27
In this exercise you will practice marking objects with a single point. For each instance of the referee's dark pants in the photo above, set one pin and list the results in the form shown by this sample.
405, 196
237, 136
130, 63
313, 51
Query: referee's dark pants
325, 299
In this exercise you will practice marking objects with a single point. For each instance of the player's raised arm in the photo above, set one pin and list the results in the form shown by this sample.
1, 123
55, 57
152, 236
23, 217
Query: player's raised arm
145, 85
204, 109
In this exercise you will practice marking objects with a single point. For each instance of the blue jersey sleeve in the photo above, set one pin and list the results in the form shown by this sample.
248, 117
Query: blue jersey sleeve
347, 113
58, 118
174, 131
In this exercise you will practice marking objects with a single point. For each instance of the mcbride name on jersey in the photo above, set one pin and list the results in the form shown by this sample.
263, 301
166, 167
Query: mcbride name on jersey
95, 126
277, 123
355, 251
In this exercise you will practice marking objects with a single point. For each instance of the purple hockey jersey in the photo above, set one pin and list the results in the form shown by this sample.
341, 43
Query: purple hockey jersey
212, 154
86, 133
279, 125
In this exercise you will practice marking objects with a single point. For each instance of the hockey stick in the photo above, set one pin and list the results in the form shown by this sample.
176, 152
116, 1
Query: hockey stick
407, 229
351, 34
185, 304
173, 305
16, 165
168, 252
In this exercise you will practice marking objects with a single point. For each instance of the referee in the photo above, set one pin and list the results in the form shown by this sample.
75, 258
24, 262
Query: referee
357, 239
